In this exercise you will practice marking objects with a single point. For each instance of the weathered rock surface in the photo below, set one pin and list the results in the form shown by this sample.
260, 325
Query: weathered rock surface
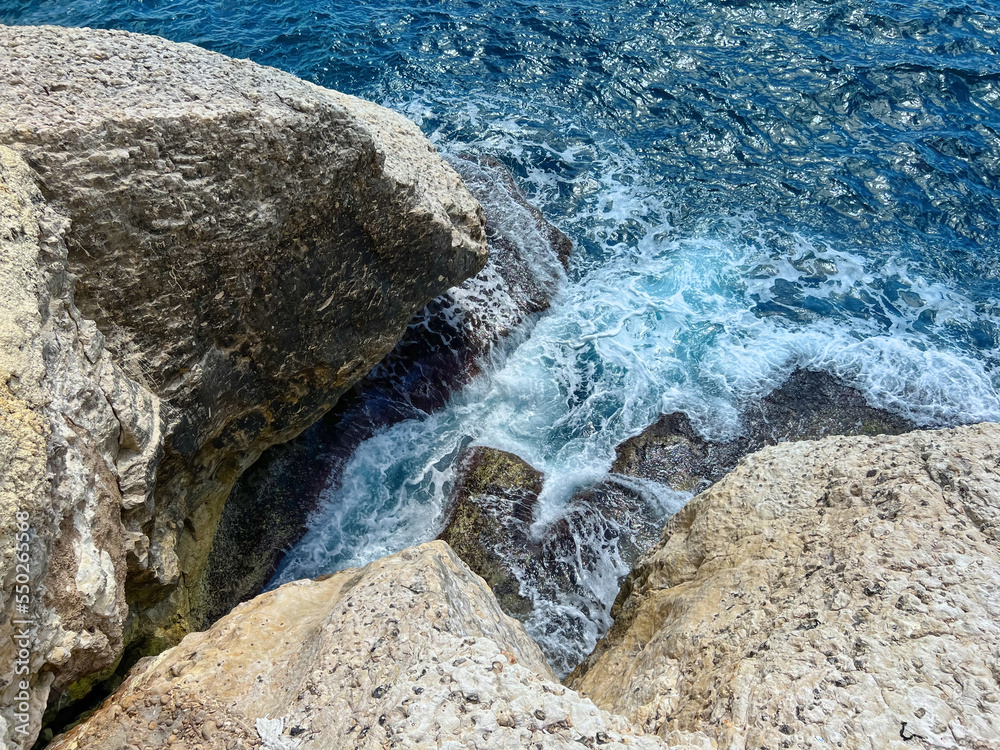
200, 255
409, 651
837, 593
807, 406
269, 506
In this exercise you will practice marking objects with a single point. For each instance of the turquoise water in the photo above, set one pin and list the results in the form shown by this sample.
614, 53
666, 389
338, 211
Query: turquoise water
751, 186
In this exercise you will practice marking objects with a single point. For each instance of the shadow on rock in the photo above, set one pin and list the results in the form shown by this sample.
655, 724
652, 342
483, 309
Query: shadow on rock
444, 347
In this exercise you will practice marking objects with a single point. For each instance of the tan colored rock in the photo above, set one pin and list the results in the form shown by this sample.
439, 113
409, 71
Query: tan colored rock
220, 252
411, 651
838, 593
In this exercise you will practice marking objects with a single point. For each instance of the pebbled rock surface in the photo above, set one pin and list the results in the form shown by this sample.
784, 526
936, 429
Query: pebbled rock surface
837, 593
807, 406
268, 509
200, 255
410, 651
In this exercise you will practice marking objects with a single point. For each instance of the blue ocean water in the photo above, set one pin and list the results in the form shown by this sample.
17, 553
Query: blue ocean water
752, 186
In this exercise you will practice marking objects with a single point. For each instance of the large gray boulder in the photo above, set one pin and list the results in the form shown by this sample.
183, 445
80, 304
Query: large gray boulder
199, 256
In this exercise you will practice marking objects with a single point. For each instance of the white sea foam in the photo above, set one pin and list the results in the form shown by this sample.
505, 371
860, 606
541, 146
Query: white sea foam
668, 327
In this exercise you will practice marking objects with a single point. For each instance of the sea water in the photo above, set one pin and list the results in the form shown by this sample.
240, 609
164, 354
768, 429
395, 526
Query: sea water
752, 186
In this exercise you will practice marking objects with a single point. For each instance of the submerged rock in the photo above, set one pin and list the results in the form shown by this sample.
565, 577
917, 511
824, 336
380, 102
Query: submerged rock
200, 255
807, 406
442, 349
410, 651
844, 591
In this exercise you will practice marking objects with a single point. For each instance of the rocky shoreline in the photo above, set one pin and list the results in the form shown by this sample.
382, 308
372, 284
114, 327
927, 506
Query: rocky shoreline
202, 256
835, 592
606, 527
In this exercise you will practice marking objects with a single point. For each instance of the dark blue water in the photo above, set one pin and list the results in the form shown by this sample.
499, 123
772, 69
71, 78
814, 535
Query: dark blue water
752, 187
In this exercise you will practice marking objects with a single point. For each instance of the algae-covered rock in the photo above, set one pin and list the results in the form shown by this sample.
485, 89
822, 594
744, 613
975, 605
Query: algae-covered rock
200, 255
834, 593
490, 511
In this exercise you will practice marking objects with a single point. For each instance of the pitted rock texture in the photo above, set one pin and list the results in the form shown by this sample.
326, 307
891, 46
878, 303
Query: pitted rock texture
410, 651
441, 350
221, 251
837, 593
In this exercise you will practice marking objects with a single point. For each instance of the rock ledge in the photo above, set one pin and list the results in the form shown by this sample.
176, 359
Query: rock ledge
837, 593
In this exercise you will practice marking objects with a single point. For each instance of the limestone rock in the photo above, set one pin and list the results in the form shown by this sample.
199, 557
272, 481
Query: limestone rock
837, 593
221, 251
410, 651
441, 350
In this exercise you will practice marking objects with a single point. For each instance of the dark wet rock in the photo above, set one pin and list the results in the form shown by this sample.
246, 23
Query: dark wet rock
808, 406
489, 518
623, 519
442, 349
239, 563
582, 560
485, 175
574, 565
